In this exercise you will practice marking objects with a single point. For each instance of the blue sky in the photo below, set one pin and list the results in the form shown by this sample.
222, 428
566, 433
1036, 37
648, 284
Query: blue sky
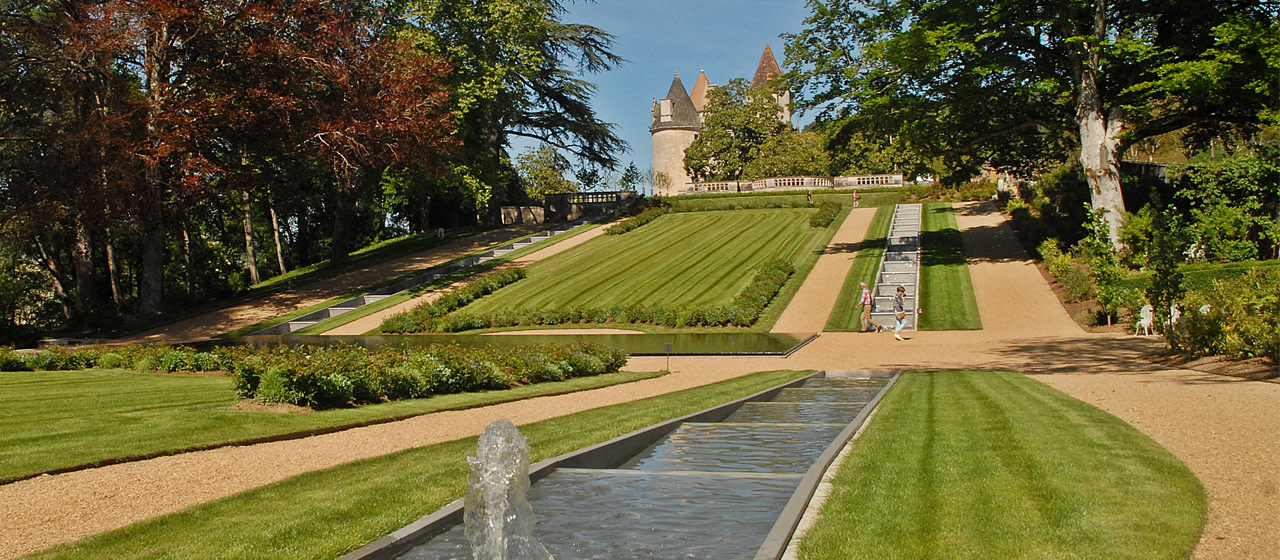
660, 37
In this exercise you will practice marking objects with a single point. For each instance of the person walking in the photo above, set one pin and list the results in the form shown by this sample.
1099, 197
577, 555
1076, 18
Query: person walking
900, 311
866, 303
855, 198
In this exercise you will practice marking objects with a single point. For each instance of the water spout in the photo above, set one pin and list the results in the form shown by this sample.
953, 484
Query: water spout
499, 520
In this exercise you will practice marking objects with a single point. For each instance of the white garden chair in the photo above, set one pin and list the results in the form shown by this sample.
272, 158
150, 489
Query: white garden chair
1146, 316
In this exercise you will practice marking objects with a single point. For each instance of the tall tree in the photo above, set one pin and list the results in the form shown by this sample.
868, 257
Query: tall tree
739, 121
542, 171
517, 73
1003, 81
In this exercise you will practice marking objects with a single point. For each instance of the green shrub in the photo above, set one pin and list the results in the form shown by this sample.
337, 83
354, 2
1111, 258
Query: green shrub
1238, 317
11, 360
648, 215
826, 214
422, 316
110, 360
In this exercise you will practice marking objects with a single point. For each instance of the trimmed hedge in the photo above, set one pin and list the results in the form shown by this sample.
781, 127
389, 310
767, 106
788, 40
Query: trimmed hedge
649, 215
452, 301
743, 311
826, 214
827, 211
344, 375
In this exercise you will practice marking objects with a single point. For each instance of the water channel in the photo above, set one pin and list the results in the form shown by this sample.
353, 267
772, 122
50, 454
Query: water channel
718, 485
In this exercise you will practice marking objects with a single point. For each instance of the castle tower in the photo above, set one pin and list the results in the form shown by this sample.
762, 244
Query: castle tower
676, 124
767, 70
699, 93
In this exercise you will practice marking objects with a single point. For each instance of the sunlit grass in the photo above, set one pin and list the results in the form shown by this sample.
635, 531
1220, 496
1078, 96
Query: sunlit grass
327, 513
980, 465
63, 419
946, 289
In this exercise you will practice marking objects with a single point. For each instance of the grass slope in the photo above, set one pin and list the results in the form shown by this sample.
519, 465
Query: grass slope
327, 513
971, 464
846, 316
946, 290
694, 259
64, 419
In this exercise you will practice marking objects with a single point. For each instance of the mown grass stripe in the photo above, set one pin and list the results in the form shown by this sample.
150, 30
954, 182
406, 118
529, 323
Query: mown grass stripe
685, 259
972, 464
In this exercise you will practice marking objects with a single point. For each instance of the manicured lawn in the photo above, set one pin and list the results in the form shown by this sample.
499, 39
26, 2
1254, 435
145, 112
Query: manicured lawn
681, 259
973, 464
328, 513
946, 290
57, 420
846, 316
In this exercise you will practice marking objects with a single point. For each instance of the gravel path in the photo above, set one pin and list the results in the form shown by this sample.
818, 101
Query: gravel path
811, 307
214, 323
1226, 430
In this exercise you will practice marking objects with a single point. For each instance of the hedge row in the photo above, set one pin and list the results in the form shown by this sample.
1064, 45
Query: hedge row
744, 311
827, 211
648, 215
826, 214
452, 301
139, 358
346, 375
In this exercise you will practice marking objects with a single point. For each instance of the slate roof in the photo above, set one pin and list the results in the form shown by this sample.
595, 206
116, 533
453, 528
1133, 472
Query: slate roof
683, 114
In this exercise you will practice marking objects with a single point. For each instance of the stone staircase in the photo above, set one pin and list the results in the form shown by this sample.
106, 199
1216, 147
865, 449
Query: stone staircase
900, 266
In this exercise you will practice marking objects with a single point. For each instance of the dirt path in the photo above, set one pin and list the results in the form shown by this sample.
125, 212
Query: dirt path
1226, 430
812, 305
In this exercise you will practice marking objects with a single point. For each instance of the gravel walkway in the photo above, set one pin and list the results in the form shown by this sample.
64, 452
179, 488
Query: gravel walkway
1226, 430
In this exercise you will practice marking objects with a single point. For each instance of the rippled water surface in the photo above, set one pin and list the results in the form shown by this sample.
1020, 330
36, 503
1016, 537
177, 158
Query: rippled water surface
753, 448
707, 490
634, 515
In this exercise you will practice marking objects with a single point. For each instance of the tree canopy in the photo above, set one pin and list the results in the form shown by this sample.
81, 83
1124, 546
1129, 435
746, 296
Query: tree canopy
738, 123
146, 146
1019, 85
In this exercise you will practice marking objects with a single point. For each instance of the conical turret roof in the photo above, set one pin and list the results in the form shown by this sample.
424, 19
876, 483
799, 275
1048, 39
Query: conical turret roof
683, 113
700, 89
767, 69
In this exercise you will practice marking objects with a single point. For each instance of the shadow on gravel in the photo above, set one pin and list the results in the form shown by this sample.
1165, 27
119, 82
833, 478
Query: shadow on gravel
1090, 355
844, 248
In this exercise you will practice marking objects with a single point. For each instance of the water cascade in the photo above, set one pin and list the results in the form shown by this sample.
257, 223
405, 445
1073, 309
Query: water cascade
498, 518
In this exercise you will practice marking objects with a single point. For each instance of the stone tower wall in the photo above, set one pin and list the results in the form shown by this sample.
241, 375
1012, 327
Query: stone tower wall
668, 157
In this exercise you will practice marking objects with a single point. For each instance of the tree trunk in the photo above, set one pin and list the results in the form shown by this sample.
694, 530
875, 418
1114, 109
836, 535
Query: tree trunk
275, 229
59, 280
82, 258
251, 259
116, 296
344, 207
1100, 128
1100, 158
188, 280
151, 277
